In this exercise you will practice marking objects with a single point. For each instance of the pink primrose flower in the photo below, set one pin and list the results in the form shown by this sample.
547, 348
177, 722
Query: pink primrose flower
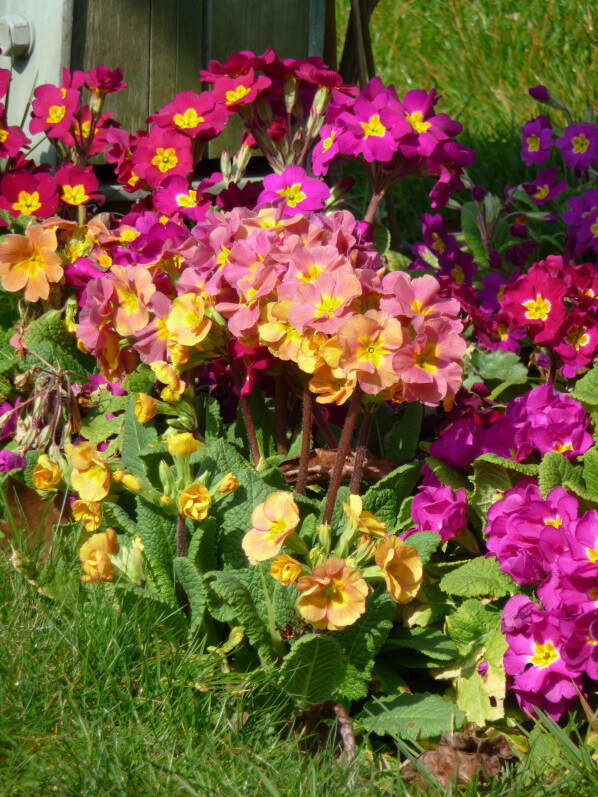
53, 110
439, 509
101, 81
238, 64
300, 193
234, 92
578, 342
325, 303
161, 154
407, 298
12, 138
374, 124
28, 194
194, 115
535, 302
176, 196
77, 186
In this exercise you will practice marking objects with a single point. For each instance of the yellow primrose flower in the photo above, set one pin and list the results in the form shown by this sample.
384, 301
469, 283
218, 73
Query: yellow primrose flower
285, 569
95, 556
46, 474
273, 521
333, 596
365, 522
228, 484
186, 321
403, 571
182, 444
194, 501
145, 407
89, 512
90, 476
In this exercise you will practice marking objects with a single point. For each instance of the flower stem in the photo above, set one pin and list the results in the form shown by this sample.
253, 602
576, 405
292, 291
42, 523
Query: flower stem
308, 400
375, 201
362, 442
323, 426
181, 540
246, 412
280, 414
341, 454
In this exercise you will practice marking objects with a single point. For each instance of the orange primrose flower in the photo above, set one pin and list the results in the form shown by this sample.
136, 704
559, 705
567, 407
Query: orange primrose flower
90, 476
402, 568
194, 501
46, 474
273, 521
30, 261
365, 522
333, 595
95, 556
285, 569
89, 512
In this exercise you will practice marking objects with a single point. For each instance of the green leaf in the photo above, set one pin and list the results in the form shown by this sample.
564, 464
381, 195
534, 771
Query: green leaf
313, 669
470, 624
262, 412
95, 427
426, 542
557, 471
498, 364
429, 641
401, 442
235, 594
482, 697
203, 546
213, 420
47, 337
586, 388
141, 380
447, 475
381, 238
590, 471
114, 516
157, 531
411, 716
362, 641
191, 581
526, 469
136, 439
490, 481
477, 578
385, 497
472, 236
31, 458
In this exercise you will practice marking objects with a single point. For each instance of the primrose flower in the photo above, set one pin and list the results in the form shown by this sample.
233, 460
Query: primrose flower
181, 444
301, 193
12, 138
95, 556
272, 522
323, 304
101, 81
369, 343
194, 501
90, 476
368, 128
579, 146
365, 522
23, 193
53, 109
46, 474
174, 386
440, 509
403, 571
145, 407
193, 115
285, 569
535, 301
77, 186
581, 218
30, 261
235, 92
333, 595
87, 512
578, 342
9, 460
545, 187
186, 321
176, 196
134, 287
228, 484
536, 141
161, 154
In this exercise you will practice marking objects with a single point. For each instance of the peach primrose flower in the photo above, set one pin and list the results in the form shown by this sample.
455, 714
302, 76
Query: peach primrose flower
95, 556
89, 512
145, 407
369, 343
402, 568
30, 261
46, 474
228, 484
365, 522
275, 331
285, 569
273, 521
194, 501
333, 595
181, 445
90, 476
186, 321
166, 374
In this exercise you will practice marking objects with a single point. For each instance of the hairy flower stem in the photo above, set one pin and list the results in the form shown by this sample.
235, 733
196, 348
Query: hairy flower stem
308, 400
323, 426
341, 454
181, 539
280, 414
246, 412
362, 442
375, 201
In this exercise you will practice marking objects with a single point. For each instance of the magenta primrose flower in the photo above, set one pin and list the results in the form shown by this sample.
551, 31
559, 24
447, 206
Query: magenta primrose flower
544, 187
161, 154
301, 194
102, 80
194, 115
439, 509
28, 194
536, 140
368, 129
77, 186
52, 110
582, 220
579, 146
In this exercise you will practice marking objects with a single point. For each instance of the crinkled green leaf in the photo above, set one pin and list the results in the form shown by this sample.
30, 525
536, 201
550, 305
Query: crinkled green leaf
426, 542
135, 441
381, 238
429, 641
526, 469
490, 482
203, 545
451, 477
313, 669
47, 337
114, 516
481, 695
401, 442
557, 471
235, 594
157, 531
190, 579
586, 388
213, 420
479, 577
262, 412
141, 380
590, 471
498, 364
472, 236
95, 426
470, 624
411, 716
362, 640
31, 458
385, 497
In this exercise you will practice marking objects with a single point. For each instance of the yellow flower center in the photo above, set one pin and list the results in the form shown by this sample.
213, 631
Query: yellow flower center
555, 522
580, 144
457, 274
533, 143
237, 94
416, 120
165, 159
55, 114
542, 192
187, 200
594, 229
27, 203
577, 337
74, 194
3, 135
438, 245
593, 553
419, 308
293, 194
427, 359
560, 448
373, 127
537, 308
544, 655
188, 119
328, 305
328, 142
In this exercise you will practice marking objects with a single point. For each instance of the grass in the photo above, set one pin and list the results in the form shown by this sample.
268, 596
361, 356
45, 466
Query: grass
99, 695
481, 56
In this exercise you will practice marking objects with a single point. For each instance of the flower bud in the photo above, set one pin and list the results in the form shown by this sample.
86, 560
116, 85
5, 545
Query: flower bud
194, 501
285, 569
166, 477
145, 407
166, 502
131, 482
182, 444
117, 476
228, 483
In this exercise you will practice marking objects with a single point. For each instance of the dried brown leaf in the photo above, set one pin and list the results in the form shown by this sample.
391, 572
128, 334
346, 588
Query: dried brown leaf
312, 726
320, 464
35, 517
